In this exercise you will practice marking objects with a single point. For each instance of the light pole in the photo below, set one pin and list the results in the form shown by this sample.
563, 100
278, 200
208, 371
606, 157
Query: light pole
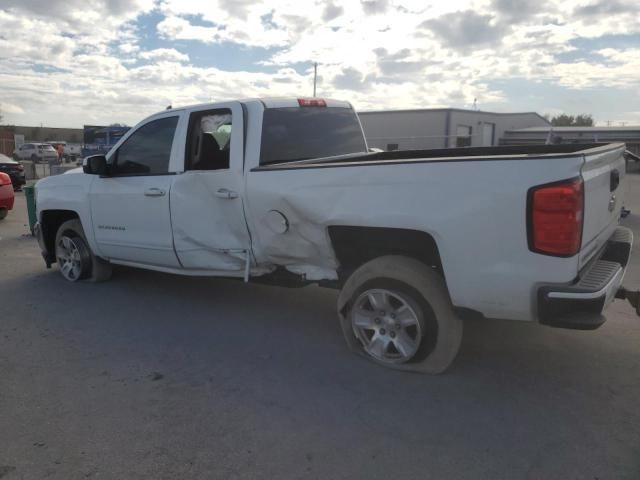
315, 77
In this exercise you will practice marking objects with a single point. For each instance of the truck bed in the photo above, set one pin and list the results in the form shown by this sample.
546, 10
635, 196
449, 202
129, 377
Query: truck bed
472, 201
516, 152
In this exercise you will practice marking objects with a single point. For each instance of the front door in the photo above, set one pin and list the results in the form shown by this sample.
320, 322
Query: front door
207, 212
130, 207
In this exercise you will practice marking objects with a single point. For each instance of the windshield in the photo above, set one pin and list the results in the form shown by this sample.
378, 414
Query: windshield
299, 133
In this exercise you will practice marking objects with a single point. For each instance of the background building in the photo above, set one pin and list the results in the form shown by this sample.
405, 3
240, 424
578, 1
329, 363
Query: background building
541, 135
9, 134
441, 127
48, 134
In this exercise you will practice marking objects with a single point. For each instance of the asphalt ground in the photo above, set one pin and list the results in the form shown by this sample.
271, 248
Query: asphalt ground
153, 376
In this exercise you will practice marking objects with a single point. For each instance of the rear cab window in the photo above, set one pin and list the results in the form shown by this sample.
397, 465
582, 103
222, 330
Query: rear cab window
290, 134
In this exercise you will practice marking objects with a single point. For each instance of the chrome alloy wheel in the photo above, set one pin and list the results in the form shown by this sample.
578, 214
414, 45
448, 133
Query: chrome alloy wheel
387, 324
69, 258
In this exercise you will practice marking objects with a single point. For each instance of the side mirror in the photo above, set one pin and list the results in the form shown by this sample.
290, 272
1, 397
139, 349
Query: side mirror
95, 165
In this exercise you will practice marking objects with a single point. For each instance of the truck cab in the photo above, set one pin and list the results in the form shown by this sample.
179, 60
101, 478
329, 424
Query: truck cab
171, 193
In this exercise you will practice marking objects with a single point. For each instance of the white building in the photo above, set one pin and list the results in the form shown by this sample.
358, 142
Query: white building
541, 135
441, 127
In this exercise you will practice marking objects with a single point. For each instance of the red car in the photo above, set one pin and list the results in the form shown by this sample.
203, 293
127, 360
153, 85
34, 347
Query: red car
6, 195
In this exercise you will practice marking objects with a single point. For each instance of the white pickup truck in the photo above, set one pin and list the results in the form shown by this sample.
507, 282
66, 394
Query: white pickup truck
285, 191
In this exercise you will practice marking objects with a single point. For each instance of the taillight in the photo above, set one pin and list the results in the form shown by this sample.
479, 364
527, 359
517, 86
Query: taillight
312, 102
555, 218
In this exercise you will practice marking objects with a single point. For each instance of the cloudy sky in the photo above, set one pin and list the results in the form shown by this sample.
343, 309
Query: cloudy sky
74, 62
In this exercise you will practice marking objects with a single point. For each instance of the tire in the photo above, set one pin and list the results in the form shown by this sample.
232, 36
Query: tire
74, 257
396, 312
3, 213
34, 158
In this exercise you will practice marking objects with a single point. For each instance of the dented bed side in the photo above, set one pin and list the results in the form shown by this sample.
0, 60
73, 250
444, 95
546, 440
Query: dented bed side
475, 211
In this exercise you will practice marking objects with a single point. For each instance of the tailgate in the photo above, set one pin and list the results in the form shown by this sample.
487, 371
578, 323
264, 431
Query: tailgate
603, 172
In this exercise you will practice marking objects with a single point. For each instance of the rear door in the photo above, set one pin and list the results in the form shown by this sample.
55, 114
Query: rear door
130, 208
603, 173
207, 200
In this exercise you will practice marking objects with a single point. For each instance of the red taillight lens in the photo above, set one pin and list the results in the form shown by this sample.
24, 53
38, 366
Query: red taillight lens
312, 102
556, 213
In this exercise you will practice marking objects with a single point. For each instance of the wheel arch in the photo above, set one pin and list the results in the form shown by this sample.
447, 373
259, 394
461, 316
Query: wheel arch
356, 245
50, 222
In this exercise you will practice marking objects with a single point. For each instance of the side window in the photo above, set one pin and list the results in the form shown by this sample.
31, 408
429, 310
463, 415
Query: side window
209, 140
148, 150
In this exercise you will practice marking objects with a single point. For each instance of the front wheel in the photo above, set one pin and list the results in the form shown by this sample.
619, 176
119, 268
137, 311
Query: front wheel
396, 311
74, 257
3, 213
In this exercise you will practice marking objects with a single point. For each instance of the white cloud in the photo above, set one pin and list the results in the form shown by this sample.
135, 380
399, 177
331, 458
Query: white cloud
91, 17
128, 47
165, 54
10, 108
84, 64
176, 28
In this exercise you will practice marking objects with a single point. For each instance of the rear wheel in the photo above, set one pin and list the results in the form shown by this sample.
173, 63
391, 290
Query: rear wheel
388, 323
74, 257
396, 311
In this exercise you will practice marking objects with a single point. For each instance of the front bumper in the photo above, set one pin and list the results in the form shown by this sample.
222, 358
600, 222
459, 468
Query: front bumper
580, 305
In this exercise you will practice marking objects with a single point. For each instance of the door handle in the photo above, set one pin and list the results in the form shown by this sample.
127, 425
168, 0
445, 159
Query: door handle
154, 192
226, 193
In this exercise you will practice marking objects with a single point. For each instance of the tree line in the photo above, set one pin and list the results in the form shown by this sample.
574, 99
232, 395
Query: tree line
564, 120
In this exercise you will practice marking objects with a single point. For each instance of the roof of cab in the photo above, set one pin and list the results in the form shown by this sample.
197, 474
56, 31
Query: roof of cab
267, 102
288, 102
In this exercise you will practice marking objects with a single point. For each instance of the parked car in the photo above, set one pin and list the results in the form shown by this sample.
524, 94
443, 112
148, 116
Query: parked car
6, 195
285, 192
72, 152
14, 169
36, 152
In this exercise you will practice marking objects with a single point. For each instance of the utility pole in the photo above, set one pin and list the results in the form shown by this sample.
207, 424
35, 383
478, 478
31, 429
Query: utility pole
315, 77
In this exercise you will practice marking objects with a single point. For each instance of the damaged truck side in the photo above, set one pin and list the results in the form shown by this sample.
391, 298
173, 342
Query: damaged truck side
285, 191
